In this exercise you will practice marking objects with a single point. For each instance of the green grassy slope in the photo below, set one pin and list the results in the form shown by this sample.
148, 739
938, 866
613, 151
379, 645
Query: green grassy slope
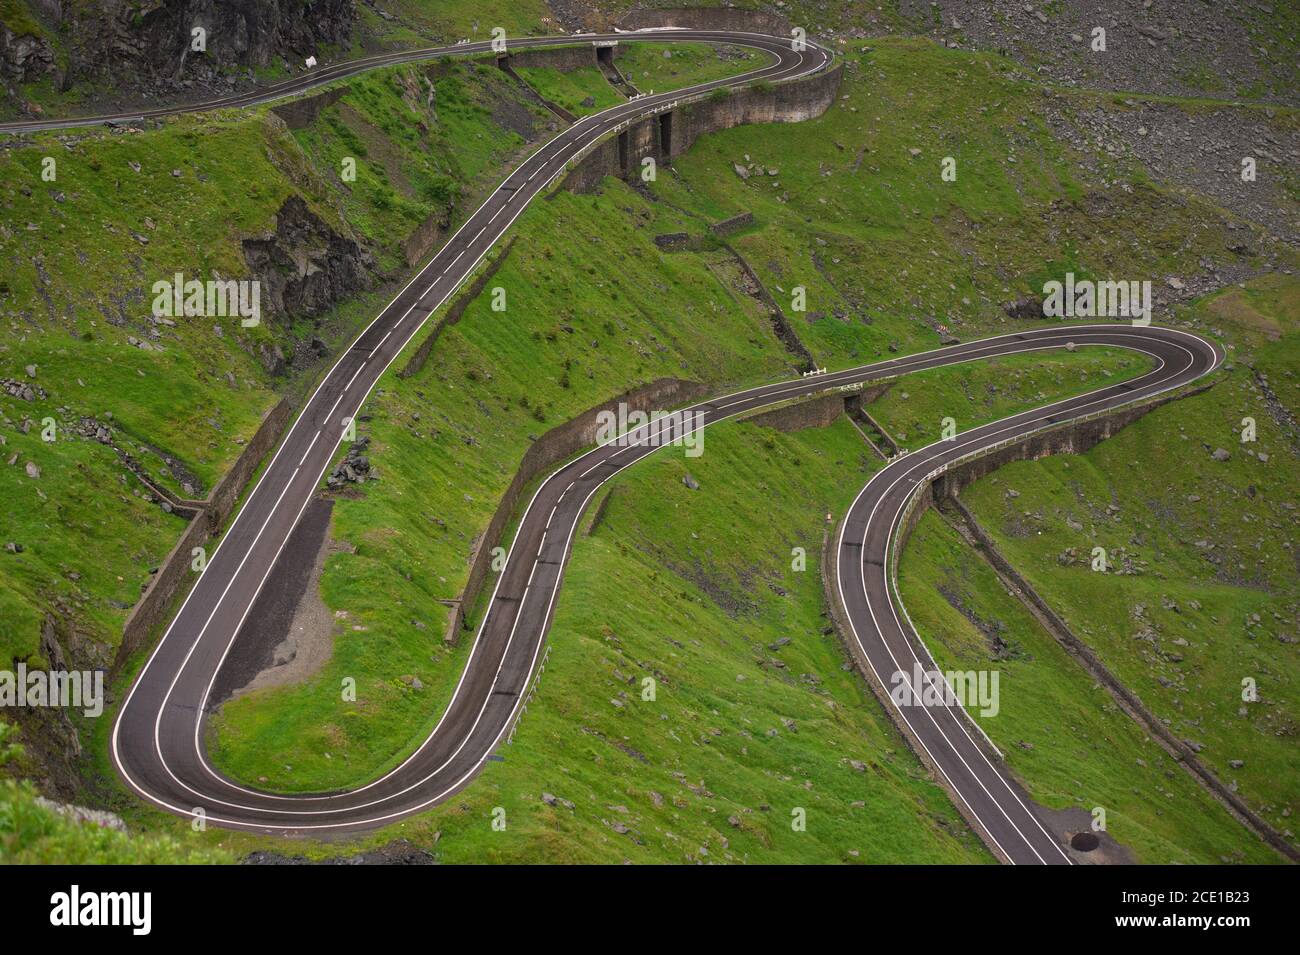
659, 67
1203, 593
415, 23
581, 92
1062, 734
426, 142
852, 207
35, 834
127, 209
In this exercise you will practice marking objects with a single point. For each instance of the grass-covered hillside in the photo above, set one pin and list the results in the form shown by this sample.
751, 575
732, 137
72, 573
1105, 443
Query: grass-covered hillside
34, 831
756, 711
892, 263
1198, 613
581, 92
1062, 734
126, 209
97, 384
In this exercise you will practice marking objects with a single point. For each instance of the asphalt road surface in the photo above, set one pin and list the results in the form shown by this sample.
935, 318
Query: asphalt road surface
157, 740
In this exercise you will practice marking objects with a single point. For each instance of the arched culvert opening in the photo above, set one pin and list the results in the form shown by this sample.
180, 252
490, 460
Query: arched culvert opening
666, 136
1084, 841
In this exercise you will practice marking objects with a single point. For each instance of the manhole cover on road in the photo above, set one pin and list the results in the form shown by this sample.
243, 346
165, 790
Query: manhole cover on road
1084, 841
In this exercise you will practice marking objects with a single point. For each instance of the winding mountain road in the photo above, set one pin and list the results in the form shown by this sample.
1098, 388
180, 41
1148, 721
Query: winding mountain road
157, 739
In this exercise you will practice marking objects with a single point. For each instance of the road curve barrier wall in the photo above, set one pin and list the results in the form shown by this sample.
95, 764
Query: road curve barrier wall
670, 133
563, 59
557, 445
1073, 437
154, 605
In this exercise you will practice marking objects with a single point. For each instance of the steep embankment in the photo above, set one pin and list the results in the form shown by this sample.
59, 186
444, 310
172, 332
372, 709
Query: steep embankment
1197, 608
992, 223
113, 410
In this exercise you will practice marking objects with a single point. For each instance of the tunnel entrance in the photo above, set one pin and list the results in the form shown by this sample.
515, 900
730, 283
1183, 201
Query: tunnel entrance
666, 136
605, 54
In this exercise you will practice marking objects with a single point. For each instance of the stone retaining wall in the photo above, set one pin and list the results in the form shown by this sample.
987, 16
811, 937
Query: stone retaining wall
791, 101
422, 239
557, 445
673, 241
816, 412
301, 113
151, 610
462, 302
733, 224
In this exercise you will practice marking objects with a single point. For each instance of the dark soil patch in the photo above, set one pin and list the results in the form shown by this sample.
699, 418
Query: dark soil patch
268, 622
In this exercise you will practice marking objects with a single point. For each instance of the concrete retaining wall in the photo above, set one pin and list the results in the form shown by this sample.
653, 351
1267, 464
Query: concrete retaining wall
1069, 439
454, 313
565, 59
151, 610
789, 102
813, 413
301, 113
1074, 438
557, 445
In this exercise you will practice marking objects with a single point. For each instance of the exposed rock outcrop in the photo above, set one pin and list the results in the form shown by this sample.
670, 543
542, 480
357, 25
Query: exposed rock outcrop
24, 57
305, 267
154, 38
150, 41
